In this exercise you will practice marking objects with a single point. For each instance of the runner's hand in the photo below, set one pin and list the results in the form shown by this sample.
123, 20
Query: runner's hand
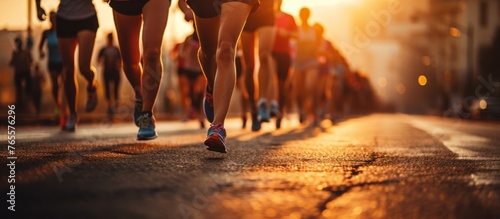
41, 14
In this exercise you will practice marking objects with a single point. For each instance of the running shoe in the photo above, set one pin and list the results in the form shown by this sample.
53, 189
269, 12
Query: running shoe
275, 111
302, 118
278, 122
216, 138
147, 125
263, 113
208, 106
62, 122
137, 111
244, 122
71, 123
91, 103
111, 111
256, 126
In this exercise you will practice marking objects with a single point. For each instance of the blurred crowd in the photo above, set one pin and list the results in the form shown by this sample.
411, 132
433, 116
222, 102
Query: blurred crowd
306, 75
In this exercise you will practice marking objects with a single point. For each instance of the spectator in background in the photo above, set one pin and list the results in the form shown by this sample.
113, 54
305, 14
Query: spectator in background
110, 58
21, 61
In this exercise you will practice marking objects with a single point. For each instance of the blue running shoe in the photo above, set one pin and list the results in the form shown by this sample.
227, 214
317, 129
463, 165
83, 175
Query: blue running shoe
137, 111
216, 138
263, 113
71, 123
147, 125
208, 106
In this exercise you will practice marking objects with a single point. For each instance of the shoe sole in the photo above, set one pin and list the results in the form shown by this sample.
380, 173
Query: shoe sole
68, 129
214, 143
145, 138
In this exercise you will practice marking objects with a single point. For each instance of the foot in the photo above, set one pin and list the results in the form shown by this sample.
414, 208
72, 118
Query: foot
62, 122
275, 111
137, 111
111, 111
91, 103
302, 118
208, 106
147, 125
263, 113
71, 123
216, 138
244, 122
278, 122
256, 125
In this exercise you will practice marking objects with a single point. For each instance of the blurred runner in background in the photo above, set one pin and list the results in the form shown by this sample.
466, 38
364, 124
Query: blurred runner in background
109, 57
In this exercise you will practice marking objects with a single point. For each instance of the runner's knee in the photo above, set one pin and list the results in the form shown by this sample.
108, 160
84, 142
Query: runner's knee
225, 53
152, 57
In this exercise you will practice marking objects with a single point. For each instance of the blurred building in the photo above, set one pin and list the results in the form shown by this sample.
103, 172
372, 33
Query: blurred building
463, 32
427, 56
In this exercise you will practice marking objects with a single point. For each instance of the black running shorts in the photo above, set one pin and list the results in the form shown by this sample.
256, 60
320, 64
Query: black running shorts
69, 28
263, 17
212, 8
131, 8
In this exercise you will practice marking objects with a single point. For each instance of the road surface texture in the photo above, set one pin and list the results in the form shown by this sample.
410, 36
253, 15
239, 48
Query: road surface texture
376, 166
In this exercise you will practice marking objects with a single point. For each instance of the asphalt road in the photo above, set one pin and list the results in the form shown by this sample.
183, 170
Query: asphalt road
377, 166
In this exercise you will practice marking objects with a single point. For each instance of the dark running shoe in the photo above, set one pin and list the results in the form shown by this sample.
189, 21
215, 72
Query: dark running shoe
137, 111
208, 106
91, 102
263, 113
256, 125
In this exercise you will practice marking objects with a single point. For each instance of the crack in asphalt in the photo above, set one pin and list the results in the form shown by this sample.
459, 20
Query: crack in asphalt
349, 173
338, 191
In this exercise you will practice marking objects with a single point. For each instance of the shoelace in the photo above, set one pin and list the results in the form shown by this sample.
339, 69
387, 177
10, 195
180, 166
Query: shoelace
217, 127
138, 106
144, 121
210, 98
